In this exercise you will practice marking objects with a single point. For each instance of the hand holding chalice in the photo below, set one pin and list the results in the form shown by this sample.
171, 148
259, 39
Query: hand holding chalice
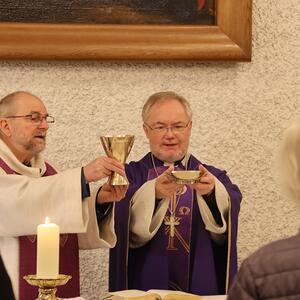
119, 147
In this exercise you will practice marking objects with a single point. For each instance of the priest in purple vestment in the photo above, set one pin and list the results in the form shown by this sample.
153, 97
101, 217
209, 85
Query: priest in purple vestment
169, 235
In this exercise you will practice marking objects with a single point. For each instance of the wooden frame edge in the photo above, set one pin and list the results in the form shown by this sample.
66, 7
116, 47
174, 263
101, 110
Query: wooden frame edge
229, 40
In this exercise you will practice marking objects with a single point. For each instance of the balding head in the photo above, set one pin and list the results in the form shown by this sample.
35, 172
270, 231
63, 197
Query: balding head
9, 104
289, 161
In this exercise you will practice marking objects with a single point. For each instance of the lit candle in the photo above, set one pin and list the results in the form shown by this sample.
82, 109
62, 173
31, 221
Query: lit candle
47, 250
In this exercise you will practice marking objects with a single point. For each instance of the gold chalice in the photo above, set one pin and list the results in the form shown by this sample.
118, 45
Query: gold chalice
118, 147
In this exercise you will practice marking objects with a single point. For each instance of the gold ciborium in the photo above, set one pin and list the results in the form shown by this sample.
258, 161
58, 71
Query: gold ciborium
118, 147
47, 287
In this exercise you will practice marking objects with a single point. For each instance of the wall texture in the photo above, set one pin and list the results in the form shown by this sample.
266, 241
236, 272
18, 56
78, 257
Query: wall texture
240, 110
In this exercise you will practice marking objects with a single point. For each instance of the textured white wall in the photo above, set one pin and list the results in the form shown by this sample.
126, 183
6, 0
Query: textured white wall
239, 109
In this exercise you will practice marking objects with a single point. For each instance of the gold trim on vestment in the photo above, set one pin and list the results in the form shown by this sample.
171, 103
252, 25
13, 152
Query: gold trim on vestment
127, 248
191, 218
228, 247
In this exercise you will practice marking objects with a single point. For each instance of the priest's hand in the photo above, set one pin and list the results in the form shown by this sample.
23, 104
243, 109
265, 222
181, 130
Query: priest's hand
206, 184
102, 167
111, 193
165, 186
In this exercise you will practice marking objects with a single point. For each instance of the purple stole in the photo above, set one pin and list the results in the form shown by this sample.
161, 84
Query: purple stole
68, 256
177, 227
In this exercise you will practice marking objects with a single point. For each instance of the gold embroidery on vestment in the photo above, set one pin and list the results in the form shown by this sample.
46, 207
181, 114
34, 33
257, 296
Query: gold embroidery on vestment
184, 211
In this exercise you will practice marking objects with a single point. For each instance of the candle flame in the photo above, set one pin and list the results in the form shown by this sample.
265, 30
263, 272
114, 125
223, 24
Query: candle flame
47, 221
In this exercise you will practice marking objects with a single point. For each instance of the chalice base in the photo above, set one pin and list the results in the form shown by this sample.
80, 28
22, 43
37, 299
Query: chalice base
117, 179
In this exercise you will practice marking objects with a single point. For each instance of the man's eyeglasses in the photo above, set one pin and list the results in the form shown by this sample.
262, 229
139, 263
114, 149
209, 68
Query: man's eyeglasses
177, 128
35, 118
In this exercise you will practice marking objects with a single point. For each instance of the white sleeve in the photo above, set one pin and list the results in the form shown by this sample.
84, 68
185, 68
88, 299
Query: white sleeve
144, 223
97, 236
26, 201
222, 199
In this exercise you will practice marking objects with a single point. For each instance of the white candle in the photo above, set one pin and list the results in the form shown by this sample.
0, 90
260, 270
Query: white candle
47, 250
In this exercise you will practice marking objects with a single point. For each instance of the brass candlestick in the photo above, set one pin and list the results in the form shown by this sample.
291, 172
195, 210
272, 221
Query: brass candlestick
47, 287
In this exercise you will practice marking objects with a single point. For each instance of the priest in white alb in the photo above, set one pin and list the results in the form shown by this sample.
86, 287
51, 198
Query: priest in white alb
31, 189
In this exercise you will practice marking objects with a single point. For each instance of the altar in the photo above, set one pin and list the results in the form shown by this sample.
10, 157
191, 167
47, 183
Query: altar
213, 297
217, 297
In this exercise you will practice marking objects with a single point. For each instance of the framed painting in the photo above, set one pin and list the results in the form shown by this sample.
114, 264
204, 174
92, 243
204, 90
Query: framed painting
124, 30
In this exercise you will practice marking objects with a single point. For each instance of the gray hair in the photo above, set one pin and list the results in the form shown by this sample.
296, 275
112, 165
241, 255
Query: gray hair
289, 161
165, 96
7, 102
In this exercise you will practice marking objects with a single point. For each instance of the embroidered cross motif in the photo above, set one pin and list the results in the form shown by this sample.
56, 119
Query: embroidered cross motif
171, 221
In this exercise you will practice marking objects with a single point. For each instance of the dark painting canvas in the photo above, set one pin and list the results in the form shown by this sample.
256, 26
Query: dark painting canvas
109, 11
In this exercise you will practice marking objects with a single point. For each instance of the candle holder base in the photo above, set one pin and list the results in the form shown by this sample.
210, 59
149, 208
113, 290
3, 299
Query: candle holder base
47, 287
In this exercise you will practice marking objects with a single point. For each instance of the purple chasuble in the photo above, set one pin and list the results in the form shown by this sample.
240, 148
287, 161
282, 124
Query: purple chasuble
209, 268
68, 256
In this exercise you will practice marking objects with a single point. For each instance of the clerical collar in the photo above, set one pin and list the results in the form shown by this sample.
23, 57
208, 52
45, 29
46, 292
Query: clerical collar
176, 163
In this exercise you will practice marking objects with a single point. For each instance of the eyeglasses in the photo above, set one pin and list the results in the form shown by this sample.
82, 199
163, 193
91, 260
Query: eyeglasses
178, 128
35, 118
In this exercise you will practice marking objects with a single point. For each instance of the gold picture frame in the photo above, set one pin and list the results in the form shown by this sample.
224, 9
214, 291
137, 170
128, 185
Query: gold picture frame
229, 39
